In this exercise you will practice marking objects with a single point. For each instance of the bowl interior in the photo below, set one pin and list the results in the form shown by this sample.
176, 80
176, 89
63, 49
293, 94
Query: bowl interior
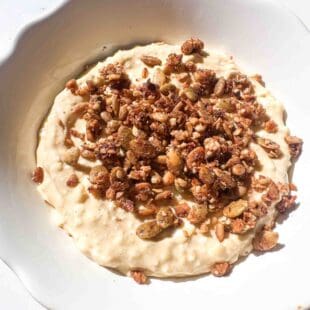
263, 37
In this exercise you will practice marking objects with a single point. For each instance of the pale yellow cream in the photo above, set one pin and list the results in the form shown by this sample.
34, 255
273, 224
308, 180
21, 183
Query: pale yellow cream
106, 233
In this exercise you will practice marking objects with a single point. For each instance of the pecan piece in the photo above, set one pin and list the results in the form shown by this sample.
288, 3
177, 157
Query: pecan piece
125, 204
235, 208
142, 148
139, 276
272, 148
37, 175
295, 146
220, 269
143, 191
192, 46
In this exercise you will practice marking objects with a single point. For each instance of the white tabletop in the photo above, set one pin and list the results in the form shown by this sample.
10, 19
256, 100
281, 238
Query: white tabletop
14, 14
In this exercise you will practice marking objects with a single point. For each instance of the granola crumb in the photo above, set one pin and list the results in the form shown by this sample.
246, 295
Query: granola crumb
73, 180
139, 276
220, 269
37, 175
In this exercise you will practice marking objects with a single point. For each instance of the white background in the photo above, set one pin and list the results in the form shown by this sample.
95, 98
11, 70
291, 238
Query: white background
14, 14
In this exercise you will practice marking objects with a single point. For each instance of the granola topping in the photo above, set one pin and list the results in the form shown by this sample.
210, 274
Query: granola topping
167, 145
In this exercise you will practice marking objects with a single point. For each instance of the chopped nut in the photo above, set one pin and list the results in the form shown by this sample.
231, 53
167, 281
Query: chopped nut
271, 126
287, 202
71, 156
145, 73
72, 86
235, 208
168, 178
272, 148
159, 77
195, 158
148, 230
238, 170
142, 148
72, 181
192, 46
125, 204
295, 146
206, 175
180, 184
219, 87
219, 231
151, 60
143, 191
37, 175
197, 214
238, 226
182, 209
165, 217
174, 162
220, 269
265, 240
139, 276
99, 175
165, 195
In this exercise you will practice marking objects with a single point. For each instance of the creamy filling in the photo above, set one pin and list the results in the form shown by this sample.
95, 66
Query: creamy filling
106, 233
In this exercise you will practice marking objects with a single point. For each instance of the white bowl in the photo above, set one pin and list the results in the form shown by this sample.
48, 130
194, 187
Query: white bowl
263, 37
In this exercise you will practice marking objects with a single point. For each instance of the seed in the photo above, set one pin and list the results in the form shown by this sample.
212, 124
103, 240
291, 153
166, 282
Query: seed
238, 170
165, 217
235, 208
148, 230
151, 61
191, 94
182, 210
159, 77
165, 89
219, 87
37, 175
106, 116
174, 162
71, 156
219, 231
115, 104
123, 112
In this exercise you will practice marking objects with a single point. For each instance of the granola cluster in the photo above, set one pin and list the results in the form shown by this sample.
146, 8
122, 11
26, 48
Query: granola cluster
158, 143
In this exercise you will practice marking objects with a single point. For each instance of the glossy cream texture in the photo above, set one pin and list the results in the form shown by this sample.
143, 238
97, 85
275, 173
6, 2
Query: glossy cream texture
106, 233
